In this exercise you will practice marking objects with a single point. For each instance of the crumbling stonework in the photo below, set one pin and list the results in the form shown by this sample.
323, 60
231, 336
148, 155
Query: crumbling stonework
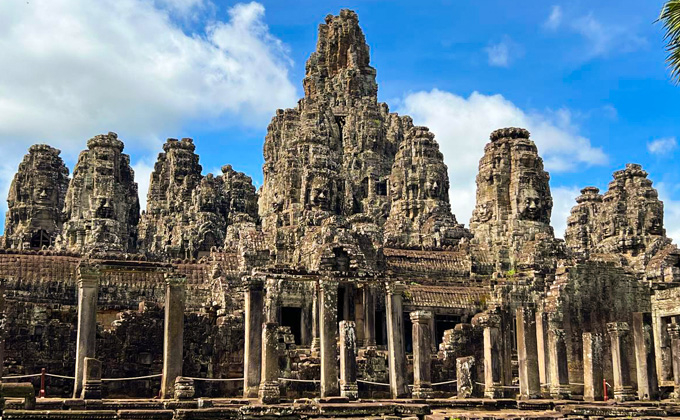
35, 199
513, 208
101, 209
420, 214
353, 225
626, 221
187, 213
330, 174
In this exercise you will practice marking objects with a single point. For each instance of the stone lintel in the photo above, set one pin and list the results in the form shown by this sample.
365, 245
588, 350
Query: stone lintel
618, 327
175, 279
395, 288
420, 317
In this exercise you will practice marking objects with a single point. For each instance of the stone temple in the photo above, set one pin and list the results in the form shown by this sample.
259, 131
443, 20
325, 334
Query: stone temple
343, 288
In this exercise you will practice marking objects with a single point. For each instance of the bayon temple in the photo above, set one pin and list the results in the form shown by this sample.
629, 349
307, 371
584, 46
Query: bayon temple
343, 288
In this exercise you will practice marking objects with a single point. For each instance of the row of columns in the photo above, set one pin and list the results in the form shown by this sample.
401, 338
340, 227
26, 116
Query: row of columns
261, 366
88, 370
542, 370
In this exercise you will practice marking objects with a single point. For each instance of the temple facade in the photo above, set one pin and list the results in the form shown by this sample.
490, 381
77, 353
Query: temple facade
345, 275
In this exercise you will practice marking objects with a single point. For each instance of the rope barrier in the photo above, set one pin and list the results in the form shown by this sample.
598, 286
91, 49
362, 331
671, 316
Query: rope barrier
60, 376
36, 375
313, 381
158, 375
444, 383
213, 379
372, 383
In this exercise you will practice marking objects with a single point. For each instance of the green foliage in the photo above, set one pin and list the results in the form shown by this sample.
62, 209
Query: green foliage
670, 17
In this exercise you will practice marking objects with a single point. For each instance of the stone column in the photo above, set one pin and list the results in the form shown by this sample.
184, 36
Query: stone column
593, 367
316, 341
252, 362
92, 381
269, 392
543, 352
465, 376
559, 366
348, 360
674, 333
395, 340
369, 316
328, 317
173, 338
493, 357
422, 350
618, 333
527, 354
645, 359
88, 284
3, 325
306, 323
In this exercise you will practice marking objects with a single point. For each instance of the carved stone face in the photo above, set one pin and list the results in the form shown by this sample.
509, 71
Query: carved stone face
531, 207
654, 224
485, 211
319, 196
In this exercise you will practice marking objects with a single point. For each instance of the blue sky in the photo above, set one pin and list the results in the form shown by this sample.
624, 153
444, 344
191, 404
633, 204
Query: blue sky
587, 79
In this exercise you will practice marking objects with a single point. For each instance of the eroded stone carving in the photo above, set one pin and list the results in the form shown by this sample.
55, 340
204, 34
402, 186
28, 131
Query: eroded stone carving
627, 220
35, 199
514, 204
187, 213
101, 209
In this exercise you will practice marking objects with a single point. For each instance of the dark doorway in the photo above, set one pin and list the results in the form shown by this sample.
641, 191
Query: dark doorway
443, 323
341, 304
292, 317
39, 239
381, 328
408, 333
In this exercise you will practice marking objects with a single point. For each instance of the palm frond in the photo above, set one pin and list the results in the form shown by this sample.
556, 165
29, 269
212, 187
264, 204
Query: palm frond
670, 16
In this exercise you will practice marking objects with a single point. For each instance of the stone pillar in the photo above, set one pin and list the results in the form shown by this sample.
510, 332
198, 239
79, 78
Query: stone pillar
252, 362
328, 327
269, 392
316, 341
369, 316
645, 359
543, 352
493, 356
618, 333
465, 380
88, 284
92, 380
348, 360
527, 354
306, 323
422, 350
173, 338
559, 366
674, 333
593, 367
3, 324
395, 340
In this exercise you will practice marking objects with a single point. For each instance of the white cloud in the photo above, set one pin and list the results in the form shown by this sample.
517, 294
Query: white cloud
663, 146
564, 198
72, 69
671, 211
604, 39
498, 54
555, 19
143, 168
462, 127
